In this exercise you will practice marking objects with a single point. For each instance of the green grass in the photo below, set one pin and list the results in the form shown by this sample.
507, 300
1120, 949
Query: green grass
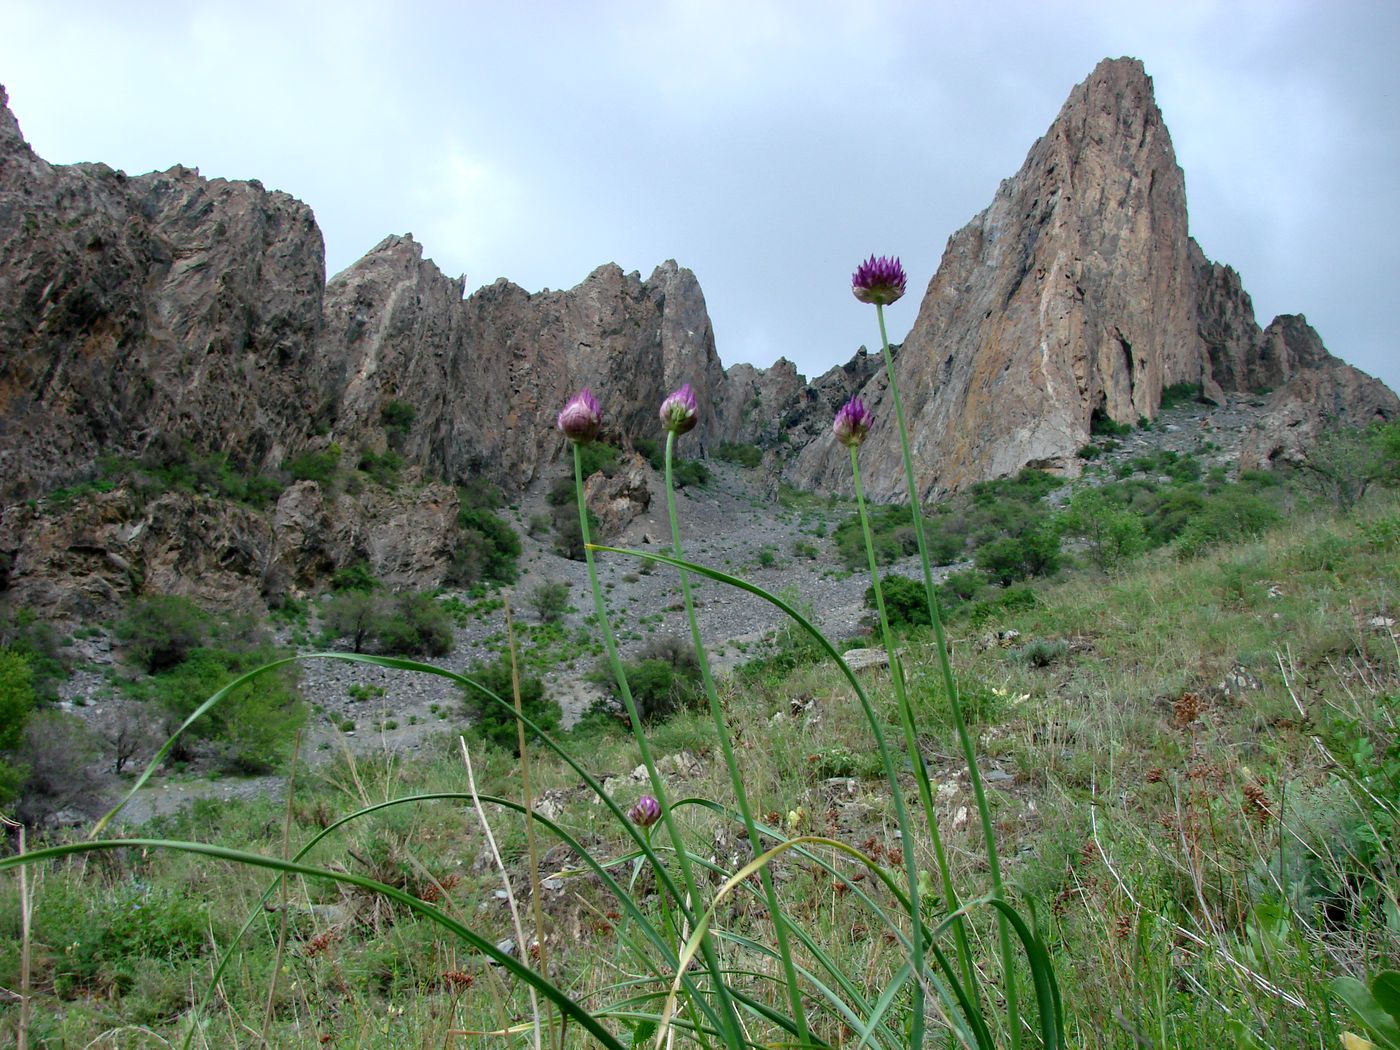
1186, 751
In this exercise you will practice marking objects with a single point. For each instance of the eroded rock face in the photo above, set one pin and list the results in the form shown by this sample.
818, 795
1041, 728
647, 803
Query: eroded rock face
1078, 290
1324, 394
1071, 292
147, 311
487, 375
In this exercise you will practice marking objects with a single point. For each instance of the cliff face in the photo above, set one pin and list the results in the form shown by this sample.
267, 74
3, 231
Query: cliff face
487, 375
151, 310
161, 314
1078, 290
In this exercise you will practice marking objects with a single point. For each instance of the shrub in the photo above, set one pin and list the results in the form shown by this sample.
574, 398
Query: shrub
161, 630
16, 702
357, 576
494, 722
353, 614
1231, 515
415, 625
1100, 424
56, 757
1183, 394
319, 466
550, 601
664, 679
23, 633
382, 469
398, 415
1009, 559
1113, 533
688, 472
252, 729
495, 541
905, 601
744, 455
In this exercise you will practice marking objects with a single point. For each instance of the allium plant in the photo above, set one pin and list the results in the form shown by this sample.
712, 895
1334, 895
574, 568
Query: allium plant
722, 998
880, 281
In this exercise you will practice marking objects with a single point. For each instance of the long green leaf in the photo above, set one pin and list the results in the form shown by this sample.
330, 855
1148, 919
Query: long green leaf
566, 1005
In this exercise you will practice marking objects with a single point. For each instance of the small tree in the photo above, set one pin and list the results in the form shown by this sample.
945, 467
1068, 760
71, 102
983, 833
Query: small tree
496, 723
160, 631
1113, 533
550, 601
1346, 462
16, 702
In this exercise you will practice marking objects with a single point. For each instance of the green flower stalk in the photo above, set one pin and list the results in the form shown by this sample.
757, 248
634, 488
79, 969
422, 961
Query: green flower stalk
678, 416
880, 282
850, 427
580, 421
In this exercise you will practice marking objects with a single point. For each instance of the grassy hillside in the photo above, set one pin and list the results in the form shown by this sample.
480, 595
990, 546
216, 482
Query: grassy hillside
1193, 763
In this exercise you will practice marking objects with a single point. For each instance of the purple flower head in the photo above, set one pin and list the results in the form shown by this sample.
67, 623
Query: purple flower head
581, 418
678, 411
645, 813
852, 423
878, 281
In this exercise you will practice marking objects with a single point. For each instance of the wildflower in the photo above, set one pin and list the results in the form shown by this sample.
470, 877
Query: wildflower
645, 813
878, 281
581, 418
852, 423
678, 411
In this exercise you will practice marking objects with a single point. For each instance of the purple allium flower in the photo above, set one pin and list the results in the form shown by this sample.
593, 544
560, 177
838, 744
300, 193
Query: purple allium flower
852, 423
878, 281
645, 813
678, 411
581, 417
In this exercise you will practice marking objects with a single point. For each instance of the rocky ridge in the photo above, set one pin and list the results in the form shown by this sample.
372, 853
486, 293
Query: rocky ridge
163, 315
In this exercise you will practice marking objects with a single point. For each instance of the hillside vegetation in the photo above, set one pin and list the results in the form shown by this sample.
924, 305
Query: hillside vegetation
1193, 759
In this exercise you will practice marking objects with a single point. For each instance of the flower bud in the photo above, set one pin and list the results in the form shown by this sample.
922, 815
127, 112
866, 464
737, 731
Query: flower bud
679, 411
852, 423
645, 813
581, 418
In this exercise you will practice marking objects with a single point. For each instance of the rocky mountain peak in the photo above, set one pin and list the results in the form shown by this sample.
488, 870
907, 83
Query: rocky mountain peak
1078, 292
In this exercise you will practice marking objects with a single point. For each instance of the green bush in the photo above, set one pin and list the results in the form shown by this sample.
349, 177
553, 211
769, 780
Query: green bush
495, 544
905, 601
1010, 559
16, 702
1231, 515
550, 600
1183, 394
398, 415
1113, 534
382, 469
1101, 424
357, 576
664, 679
161, 630
22, 632
744, 455
319, 466
891, 530
108, 938
689, 472
498, 724
414, 625
252, 729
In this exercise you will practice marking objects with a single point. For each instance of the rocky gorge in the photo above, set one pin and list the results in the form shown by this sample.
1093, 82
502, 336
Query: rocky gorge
165, 316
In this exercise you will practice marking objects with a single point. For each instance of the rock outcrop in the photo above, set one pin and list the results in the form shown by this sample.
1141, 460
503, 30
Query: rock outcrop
165, 316
160, 310
1077, 291
486, 375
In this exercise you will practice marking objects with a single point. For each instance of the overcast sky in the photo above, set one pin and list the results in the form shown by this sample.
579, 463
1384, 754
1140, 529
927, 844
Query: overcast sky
767, 146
